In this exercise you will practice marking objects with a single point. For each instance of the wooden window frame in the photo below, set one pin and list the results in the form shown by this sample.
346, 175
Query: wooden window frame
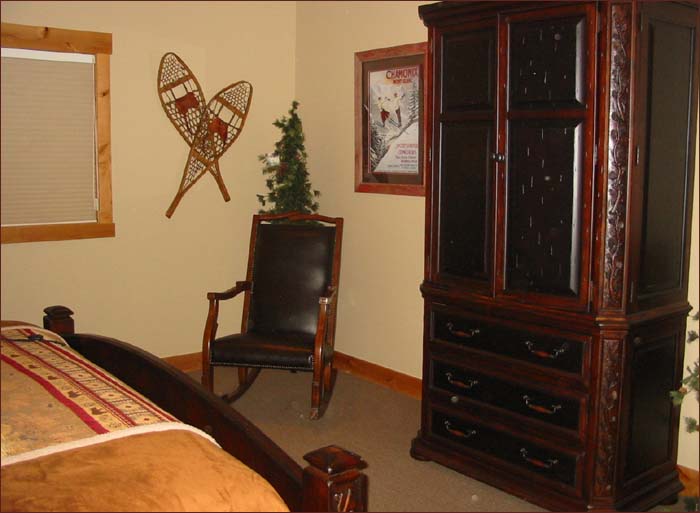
98, 44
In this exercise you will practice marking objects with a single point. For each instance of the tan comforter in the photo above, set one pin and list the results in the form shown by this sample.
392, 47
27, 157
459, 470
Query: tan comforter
172, 470
74, 438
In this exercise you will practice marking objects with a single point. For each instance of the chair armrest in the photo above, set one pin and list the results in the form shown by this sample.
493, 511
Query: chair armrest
212, 325
329, 296
240, 286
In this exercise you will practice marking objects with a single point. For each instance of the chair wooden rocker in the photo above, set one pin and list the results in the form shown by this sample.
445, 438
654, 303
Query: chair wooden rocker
289, 309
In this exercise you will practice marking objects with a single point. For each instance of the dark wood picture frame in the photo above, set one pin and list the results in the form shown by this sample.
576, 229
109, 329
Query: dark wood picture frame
408, 58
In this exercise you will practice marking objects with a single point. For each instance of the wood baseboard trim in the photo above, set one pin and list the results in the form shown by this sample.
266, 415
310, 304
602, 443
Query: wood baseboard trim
389, 378
186, 362
690, 479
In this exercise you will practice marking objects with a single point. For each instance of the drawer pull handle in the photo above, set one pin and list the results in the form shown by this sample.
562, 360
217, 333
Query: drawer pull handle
457, 432
461, 384
544, 354
460, 333
541, 409
538, 463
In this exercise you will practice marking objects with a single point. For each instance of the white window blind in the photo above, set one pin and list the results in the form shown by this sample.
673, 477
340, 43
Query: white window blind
48, 148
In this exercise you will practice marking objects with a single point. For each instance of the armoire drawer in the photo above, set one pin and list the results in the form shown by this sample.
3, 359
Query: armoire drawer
464, 384
553, 465
549, 350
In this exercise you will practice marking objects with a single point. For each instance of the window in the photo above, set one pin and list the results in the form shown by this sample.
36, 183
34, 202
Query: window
56, 151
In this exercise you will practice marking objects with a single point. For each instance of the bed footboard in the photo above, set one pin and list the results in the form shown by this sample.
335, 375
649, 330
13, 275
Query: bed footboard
333, 481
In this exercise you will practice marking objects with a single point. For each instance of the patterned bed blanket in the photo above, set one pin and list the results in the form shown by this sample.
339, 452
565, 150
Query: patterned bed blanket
75, 438
51, 394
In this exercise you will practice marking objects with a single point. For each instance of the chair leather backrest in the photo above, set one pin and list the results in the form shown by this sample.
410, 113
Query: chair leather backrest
293, 266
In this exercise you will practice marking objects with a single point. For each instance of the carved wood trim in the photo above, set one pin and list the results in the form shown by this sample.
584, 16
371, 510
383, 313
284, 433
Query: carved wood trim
608, 417
618, 153
350, 495
335, 478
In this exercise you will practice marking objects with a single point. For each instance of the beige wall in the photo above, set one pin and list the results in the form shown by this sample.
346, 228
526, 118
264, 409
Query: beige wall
381, 314
148, 284
688, 454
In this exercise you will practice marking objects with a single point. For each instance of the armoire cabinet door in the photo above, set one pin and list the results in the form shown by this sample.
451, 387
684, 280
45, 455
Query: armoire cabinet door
664, 154
464, 126
549, 117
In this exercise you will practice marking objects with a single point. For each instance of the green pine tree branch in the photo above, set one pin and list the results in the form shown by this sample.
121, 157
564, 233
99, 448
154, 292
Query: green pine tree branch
289, 186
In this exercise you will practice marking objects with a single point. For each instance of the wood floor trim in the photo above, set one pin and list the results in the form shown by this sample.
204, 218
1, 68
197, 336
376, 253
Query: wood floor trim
389, 378
186, 362
690, 479
384, 376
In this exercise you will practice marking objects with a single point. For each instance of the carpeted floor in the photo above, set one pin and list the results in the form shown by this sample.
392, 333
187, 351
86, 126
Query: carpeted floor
376, 423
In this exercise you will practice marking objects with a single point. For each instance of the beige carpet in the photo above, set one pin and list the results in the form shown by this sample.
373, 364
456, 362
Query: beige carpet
376, 423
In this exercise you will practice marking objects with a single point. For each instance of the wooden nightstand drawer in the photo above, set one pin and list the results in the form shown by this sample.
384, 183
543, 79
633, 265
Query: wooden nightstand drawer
464, 385
548, 349
550, 464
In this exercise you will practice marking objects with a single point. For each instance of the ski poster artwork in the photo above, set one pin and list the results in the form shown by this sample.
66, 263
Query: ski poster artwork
394, 120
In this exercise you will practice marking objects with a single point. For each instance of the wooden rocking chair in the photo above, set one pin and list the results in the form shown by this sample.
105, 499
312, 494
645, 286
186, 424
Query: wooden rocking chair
289, 309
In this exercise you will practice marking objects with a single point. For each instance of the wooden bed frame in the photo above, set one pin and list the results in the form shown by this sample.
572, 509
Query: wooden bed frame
333, 481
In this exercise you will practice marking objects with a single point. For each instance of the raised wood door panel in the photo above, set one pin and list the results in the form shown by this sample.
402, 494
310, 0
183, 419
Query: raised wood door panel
663, 157
545, 63
653, 367
465, 135
466, 199
653, 370
548, 116
468, 61
544, 207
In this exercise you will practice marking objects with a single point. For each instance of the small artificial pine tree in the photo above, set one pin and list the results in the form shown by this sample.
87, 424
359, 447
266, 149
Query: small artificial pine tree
288, 179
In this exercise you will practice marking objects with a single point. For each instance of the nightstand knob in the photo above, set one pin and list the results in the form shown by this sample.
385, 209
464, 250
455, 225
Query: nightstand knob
454, 399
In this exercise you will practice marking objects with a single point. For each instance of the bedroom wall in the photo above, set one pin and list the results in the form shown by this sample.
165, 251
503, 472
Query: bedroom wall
688, 454
148, 285
380, 317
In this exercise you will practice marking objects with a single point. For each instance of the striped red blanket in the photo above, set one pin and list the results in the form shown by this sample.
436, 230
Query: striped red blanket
53, 395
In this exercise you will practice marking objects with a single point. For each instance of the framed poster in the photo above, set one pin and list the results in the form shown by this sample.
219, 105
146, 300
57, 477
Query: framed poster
389, 120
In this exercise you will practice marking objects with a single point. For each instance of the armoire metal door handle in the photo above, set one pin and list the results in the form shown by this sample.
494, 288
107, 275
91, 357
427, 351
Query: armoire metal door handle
541, 409
498, 157
469, 384
469, 333
537, 462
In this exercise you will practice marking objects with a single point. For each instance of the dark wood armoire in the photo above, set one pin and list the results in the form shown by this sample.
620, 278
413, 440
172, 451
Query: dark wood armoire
561, 153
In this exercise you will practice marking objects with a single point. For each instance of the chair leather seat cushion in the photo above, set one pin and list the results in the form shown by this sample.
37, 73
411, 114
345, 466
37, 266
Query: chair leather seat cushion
268, 350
